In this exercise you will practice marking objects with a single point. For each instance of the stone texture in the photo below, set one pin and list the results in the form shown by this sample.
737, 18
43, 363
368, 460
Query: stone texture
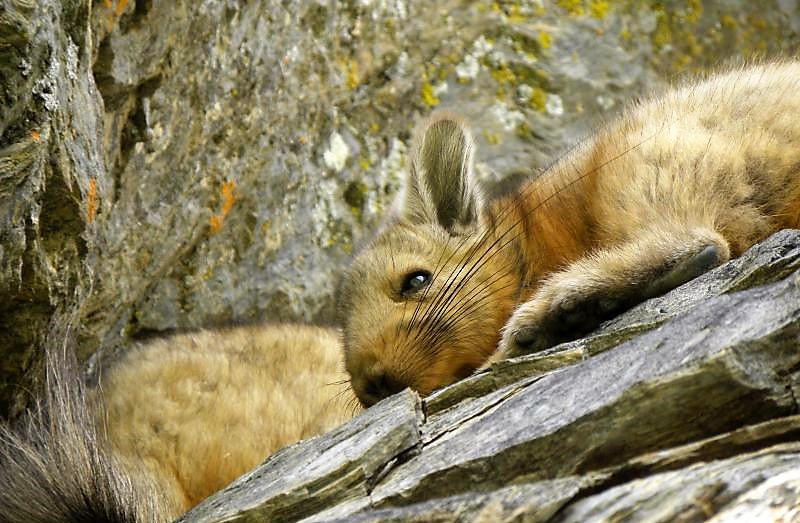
311, 475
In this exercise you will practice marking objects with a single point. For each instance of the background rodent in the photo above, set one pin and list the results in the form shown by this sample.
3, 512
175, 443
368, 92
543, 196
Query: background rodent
197, 410
673, 187
175, 420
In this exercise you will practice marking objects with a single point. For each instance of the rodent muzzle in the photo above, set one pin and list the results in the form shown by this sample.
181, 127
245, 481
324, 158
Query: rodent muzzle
379, 386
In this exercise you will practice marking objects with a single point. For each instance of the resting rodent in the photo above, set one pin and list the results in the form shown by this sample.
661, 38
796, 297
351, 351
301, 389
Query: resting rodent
203, 408
672, 188
175, 420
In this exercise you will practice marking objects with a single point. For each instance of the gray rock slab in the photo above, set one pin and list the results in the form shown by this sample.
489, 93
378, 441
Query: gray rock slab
725, 488
532, 503
708, 371
539, 501
766, 262
314, 474
775, 499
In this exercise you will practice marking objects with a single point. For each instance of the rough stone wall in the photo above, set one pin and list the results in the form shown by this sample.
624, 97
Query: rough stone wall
166, 165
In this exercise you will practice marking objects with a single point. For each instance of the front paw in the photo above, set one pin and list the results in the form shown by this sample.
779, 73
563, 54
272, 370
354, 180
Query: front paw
555, 315
524, 332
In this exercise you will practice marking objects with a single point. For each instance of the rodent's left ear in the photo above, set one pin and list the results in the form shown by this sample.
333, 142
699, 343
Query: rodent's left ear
441, 186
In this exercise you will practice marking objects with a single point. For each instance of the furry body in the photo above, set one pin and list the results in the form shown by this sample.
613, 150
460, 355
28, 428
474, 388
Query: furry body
672, 188
217, 403
174, 421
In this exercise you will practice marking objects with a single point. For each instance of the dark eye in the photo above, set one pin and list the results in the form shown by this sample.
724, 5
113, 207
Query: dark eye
414, 281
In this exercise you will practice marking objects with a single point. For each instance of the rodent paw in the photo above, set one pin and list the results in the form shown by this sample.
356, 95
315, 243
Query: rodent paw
523, 333
556, 316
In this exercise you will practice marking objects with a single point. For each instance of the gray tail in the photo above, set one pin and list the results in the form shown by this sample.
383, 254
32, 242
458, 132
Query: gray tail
55, 468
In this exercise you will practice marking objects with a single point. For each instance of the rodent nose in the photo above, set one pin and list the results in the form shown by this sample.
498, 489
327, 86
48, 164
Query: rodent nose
379, 386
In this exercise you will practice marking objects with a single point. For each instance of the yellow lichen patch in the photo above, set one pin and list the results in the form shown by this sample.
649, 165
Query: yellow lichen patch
91, 200
524, 131
364, 163
598, 8
503, 75
573, 7
545, 39
694, 11
662, 35
352, 74
228, 198
538, 99
429, 97
693, 46
491, 138
515, 15
728, 21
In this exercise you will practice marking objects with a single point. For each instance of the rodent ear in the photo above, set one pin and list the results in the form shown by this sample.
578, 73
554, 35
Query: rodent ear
441, 187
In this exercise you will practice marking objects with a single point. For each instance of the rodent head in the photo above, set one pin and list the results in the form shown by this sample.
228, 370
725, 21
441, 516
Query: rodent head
422, 306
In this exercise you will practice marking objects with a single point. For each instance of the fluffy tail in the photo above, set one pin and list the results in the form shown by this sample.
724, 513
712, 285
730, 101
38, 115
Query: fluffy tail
56, 469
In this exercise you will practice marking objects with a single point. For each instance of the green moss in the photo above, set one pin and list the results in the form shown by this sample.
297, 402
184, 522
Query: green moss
356, 196
525, 132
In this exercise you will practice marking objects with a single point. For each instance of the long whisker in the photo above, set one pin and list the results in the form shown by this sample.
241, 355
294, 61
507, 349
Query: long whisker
476, 257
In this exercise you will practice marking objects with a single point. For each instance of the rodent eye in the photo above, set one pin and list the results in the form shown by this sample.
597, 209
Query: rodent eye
414, 281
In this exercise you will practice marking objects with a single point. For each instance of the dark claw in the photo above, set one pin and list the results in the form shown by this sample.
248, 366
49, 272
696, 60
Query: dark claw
608, 305
531, 339
706, 260
686, 270
526, 337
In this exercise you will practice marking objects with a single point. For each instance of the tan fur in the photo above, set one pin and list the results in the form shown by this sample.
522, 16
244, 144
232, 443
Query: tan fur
200, 409
673, 187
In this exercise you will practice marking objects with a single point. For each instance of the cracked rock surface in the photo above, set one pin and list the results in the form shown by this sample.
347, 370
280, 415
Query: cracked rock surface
692, 417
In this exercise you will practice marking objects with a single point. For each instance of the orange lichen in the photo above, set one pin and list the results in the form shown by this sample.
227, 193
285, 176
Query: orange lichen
228, 198
36, 135
91, 200
215, 222
115, 11
120, 7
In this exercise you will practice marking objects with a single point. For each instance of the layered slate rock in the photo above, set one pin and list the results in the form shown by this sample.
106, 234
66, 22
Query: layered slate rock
312, 475
692, 414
